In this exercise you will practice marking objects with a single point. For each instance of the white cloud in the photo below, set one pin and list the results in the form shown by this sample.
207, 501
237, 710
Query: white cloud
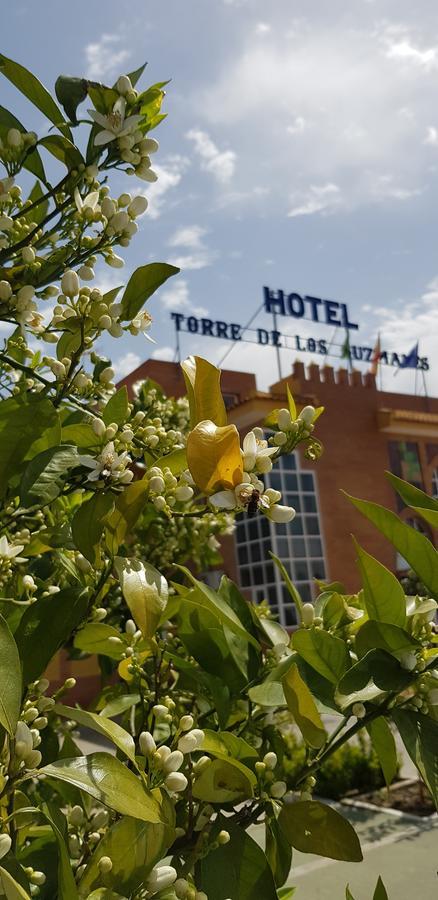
406, 51
166, 353
170, 173
262, 28
220, 163
431, 136
177, 298
126, 364
354, 102
319, 198
191, 238
105, 56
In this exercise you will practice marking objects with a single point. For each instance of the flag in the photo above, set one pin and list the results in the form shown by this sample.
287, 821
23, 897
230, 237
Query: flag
345, 350
375, 359
411, 359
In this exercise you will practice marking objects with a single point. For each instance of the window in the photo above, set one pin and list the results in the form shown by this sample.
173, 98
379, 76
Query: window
299, 544
435, 483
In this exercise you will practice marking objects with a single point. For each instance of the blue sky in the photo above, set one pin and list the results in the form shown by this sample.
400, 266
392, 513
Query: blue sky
300, 151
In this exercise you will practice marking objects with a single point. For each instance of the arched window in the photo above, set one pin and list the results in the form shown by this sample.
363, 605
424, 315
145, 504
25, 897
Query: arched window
435, 482
298, 544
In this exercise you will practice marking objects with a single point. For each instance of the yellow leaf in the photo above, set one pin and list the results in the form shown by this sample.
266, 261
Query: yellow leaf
145, 591
214, 457
291, 404
125, 663
303, 708
203, 390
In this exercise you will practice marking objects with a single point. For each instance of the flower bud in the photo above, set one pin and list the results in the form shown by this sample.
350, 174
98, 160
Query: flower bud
76, 815
284, 420
33, 759
186, 723
176, 781
161, 877
105, 865
159, 710
106, 375
146, 743
181, 887
223, 837
278, 789
138, 206
69, 683
358, 710
307, 415
14, 138
5, 290
38, 878
280, 438
108, 207
260, 767
308, 614
123, 85
116, 262
70, 283
156, 484
98, 427
270, 760
174, 761
183, 493
5, 845
86, 273
28, 255
29, 583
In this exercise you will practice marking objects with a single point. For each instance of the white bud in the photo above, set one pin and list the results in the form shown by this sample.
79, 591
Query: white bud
307, 415
308, 613
186, 723
111, 431
174, 761
26, 293
176, 781
5, 290
116, 262
76, 815
33, 759
105, 864
161, 877
181, 888
123, 85
280, 438
38, 878
183, 493
70, 283
278, 789
156, 484
138, 206
108, 207
146, 743
284, 420
201, 895
14, 138
86, 273
5, 845
28, 255
270, 760
358, 710
29, 583
223, 837
130, 627
159, 710
106, 375
98, 427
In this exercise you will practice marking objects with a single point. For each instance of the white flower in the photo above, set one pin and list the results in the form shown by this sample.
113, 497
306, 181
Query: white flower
268, 503
114, 124
109, 465
256, 454
86, 203
11, 551
142, 322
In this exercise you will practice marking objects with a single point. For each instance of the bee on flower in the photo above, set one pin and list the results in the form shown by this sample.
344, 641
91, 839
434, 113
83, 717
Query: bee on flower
109, 467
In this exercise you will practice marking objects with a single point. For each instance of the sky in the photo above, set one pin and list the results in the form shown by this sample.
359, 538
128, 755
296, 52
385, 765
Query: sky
300, 152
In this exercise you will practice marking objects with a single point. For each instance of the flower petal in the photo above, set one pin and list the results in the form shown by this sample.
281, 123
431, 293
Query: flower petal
104, 137
224, 499
98, 117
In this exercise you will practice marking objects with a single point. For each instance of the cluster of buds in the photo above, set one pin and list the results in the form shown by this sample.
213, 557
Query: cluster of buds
85, 830
164, 762
166, 490
9, 557
14, 146
290, 429
265, 770
20, 304
26, 756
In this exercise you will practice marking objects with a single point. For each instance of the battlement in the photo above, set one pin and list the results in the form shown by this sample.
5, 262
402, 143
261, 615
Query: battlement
305, 380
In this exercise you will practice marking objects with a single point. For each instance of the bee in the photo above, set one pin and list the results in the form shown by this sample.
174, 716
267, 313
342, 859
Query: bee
253, 504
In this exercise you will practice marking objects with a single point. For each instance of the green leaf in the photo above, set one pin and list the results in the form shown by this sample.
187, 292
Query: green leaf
383, 743
94, 638
11, 889
81, 434
32, 161
270, 693
43, 478
106, 779
88, 524
145, 591
421, 503
291, 404
119, 705
10, 680
278, 851
303, 708
314, 827
38, 213
382, 636
348, 894
324, 652
32, 88
134, 847
117, 408
383, 594
379, 666
419, 734
63, 150
175, 461
129, 506
238, 869
211, 600
416, 549
108, 729
294, 593
135, 76
22, 426
66, 881
224, 744
70, 93
46, 626
141, 285
380, 891
71, 338
224, 781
